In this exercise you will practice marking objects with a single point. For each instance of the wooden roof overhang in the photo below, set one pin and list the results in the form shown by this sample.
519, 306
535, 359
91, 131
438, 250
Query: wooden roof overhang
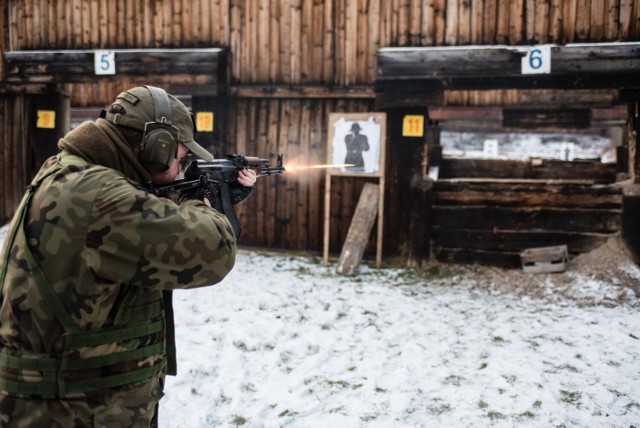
201, 71
421, 74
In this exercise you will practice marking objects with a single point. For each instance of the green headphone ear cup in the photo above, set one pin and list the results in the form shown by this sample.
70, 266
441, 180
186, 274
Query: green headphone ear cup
159, 147
158, 150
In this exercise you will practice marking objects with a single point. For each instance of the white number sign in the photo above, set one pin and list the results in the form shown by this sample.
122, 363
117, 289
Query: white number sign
537, 60
105, 62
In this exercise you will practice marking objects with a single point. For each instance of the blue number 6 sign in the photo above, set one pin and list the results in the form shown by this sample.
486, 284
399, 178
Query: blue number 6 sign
537, 60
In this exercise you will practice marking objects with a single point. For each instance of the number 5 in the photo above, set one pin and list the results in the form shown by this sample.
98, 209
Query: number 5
104, 62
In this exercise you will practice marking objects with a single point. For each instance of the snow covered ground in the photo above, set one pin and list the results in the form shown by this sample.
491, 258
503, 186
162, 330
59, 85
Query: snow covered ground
285, 342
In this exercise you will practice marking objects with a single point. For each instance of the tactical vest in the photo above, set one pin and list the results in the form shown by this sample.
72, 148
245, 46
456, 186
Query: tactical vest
66, 376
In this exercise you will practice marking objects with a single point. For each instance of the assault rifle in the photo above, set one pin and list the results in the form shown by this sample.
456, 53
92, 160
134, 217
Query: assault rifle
213, 178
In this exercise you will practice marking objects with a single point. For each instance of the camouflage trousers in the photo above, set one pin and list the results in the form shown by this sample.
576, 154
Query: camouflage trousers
132, 408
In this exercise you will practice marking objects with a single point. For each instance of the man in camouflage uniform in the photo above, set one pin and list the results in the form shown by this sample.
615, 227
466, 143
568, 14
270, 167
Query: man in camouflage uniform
88, 265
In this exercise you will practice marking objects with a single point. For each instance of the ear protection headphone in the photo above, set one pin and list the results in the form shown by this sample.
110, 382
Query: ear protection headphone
159, 146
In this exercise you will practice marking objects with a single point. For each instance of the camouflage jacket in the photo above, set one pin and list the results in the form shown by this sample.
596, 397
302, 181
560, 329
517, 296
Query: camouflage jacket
105, 250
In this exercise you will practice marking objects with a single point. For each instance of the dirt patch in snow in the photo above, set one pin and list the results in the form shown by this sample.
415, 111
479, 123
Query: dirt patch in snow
605, 276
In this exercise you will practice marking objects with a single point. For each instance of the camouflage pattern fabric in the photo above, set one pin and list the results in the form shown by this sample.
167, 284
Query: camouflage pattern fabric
108, 248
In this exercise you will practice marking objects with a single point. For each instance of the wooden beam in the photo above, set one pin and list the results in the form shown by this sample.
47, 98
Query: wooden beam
594, 65
301, 91
202, 67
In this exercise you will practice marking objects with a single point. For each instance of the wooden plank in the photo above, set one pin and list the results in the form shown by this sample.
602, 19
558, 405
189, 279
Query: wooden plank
317, 139
328, 62
275, 41
187, 22
303, 221
402, 23
77, 65
503, 25
61, 17
414, 11
306, 41
555, 20
526, 218
515, 241
530, 21
428, 24
224, 23
507, 194
597, 20
302, 91
317, 37
464, 19
543, 169
612, 10
598, 66
261, 203
285, 44
516, 22
167, 27
541, 29
130, 22
362, 44
583, 17
176, 23
535, 118
477, 21
469, 256
451, 25
569, 16
489, 23
340, 53
273, 138
251, 42
103, 23
359, 231
236, 36
626, 18
440, 27
204, 20
38, 21
27, 18
292, 189
248, 146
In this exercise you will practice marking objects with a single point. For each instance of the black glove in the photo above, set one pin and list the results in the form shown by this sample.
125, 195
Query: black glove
239, 192
211, 191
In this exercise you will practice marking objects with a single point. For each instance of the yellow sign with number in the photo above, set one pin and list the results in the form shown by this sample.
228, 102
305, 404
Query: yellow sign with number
413, 125
46, 119
204, 121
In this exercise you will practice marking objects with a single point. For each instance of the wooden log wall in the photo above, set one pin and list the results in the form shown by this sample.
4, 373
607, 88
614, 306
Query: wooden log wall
492, 221
330, 42
291, 63
286, 211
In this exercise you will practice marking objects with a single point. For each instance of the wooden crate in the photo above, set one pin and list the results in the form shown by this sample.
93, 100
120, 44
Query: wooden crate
545, 259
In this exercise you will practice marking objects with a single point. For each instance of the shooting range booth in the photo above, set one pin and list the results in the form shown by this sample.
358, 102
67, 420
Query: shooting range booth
490, 210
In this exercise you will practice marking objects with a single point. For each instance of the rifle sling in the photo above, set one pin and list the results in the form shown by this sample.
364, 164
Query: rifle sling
227, 209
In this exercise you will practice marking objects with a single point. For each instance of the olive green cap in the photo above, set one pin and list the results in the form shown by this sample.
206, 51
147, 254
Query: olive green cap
140, 110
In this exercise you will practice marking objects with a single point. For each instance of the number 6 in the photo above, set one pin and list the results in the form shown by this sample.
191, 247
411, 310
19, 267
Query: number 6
535, 59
